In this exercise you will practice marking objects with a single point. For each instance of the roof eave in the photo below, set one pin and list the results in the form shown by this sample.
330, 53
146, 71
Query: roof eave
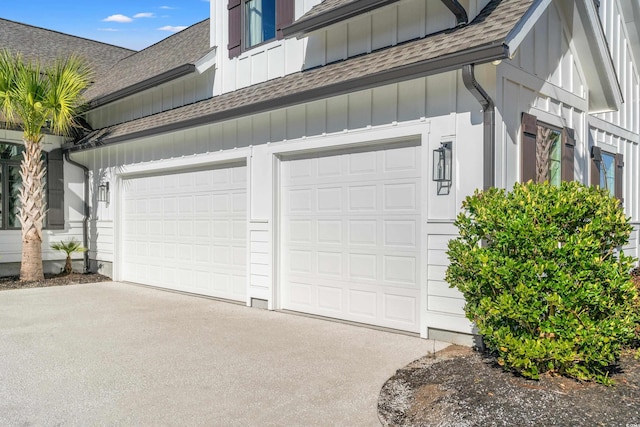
478, 55
333, 16
605, 93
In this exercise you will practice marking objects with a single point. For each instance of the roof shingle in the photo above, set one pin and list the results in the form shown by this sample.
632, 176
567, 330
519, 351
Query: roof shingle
36, 43
185, 47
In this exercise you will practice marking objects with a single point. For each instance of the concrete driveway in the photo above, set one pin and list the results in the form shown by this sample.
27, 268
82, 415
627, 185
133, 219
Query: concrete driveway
119, 354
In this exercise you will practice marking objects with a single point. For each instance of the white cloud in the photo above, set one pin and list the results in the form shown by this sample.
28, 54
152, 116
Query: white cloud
172, 28
123, 19
113, 30
167, 7
144, 15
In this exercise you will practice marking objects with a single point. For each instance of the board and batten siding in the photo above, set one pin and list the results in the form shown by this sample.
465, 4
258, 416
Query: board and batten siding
545, 79
182, 91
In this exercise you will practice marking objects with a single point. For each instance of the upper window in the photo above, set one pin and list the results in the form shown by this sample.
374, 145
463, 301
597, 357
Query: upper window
607, 171
253, 22
547, 152
260, 21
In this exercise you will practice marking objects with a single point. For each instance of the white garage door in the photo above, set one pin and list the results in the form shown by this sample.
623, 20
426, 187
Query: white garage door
187, 231
350, 236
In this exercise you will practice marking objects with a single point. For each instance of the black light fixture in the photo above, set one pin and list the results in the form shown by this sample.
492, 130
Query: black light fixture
103, 192
442, 166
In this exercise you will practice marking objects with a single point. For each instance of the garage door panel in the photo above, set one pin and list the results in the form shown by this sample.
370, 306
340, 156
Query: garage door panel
187, 231
350, 236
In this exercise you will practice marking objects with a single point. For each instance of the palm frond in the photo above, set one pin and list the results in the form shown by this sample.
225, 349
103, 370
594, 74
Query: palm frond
68, 78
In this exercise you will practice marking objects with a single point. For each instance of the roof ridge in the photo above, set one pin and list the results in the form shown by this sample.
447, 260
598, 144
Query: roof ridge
167, 38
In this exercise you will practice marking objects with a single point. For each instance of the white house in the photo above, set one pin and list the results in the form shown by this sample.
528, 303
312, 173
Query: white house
283, 153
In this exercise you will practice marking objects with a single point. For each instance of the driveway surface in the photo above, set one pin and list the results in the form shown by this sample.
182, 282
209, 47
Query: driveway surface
119, 354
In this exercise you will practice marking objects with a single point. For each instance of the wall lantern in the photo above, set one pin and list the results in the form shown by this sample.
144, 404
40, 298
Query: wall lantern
103, 192
442, 166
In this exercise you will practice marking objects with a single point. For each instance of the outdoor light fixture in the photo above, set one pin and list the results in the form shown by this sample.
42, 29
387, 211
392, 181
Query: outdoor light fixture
103, 192
442, 165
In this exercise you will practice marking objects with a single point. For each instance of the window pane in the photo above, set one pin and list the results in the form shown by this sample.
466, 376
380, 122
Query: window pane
548, 155
15, 182
11, 152
260, 21
607, 172
555, 160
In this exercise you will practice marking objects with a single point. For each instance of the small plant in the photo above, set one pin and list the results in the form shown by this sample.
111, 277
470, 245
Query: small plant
543, 278
69, 247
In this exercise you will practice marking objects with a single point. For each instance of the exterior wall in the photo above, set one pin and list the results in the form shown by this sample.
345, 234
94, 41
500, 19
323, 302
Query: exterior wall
185, 90
619, 131
432, 110
381, 28
545, 79
11, 241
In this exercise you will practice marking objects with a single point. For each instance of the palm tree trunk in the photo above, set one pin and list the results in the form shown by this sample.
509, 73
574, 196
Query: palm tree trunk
68, 268
32, 210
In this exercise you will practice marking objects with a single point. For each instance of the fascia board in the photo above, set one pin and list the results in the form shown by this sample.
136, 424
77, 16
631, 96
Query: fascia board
207, 61
602, 74
517, 35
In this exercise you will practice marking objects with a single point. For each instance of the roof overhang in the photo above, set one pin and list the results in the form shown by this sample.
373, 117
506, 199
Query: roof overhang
333, 16
589, 39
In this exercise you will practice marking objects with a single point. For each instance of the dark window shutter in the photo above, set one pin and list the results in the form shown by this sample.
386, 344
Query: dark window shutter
55, 190
235, 27
619, 176
568, 147
285, 10
529, 135
596, 159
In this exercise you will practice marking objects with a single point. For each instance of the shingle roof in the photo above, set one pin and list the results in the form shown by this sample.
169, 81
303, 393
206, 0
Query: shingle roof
182, 48
325, 7
46, 46
480, 41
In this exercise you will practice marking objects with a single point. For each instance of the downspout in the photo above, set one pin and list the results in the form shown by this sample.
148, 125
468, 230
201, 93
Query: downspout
489, 136
458, 10
85, 220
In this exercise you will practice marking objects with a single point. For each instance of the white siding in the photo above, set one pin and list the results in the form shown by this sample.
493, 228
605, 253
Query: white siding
182, 91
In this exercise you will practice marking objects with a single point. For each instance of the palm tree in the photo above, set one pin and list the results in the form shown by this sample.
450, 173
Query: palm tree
32, 97
68, 247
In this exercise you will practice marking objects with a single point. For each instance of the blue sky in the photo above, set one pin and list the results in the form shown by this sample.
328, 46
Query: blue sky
135, 24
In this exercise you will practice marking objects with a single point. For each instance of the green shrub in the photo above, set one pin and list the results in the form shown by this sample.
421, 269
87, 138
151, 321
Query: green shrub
543, 280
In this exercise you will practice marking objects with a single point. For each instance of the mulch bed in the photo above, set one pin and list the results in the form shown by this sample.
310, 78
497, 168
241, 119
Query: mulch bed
14, 282
462, 387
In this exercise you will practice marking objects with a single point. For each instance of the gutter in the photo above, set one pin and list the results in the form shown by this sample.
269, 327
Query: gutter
489, 123
85, 219
454, 61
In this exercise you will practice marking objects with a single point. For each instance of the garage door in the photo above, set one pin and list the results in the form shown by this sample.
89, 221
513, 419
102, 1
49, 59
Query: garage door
187, 231
350, 245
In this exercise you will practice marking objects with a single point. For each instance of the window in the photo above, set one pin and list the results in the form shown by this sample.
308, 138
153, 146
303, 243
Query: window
547, 152
606, 171
260, 21
10, 183
252, 22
